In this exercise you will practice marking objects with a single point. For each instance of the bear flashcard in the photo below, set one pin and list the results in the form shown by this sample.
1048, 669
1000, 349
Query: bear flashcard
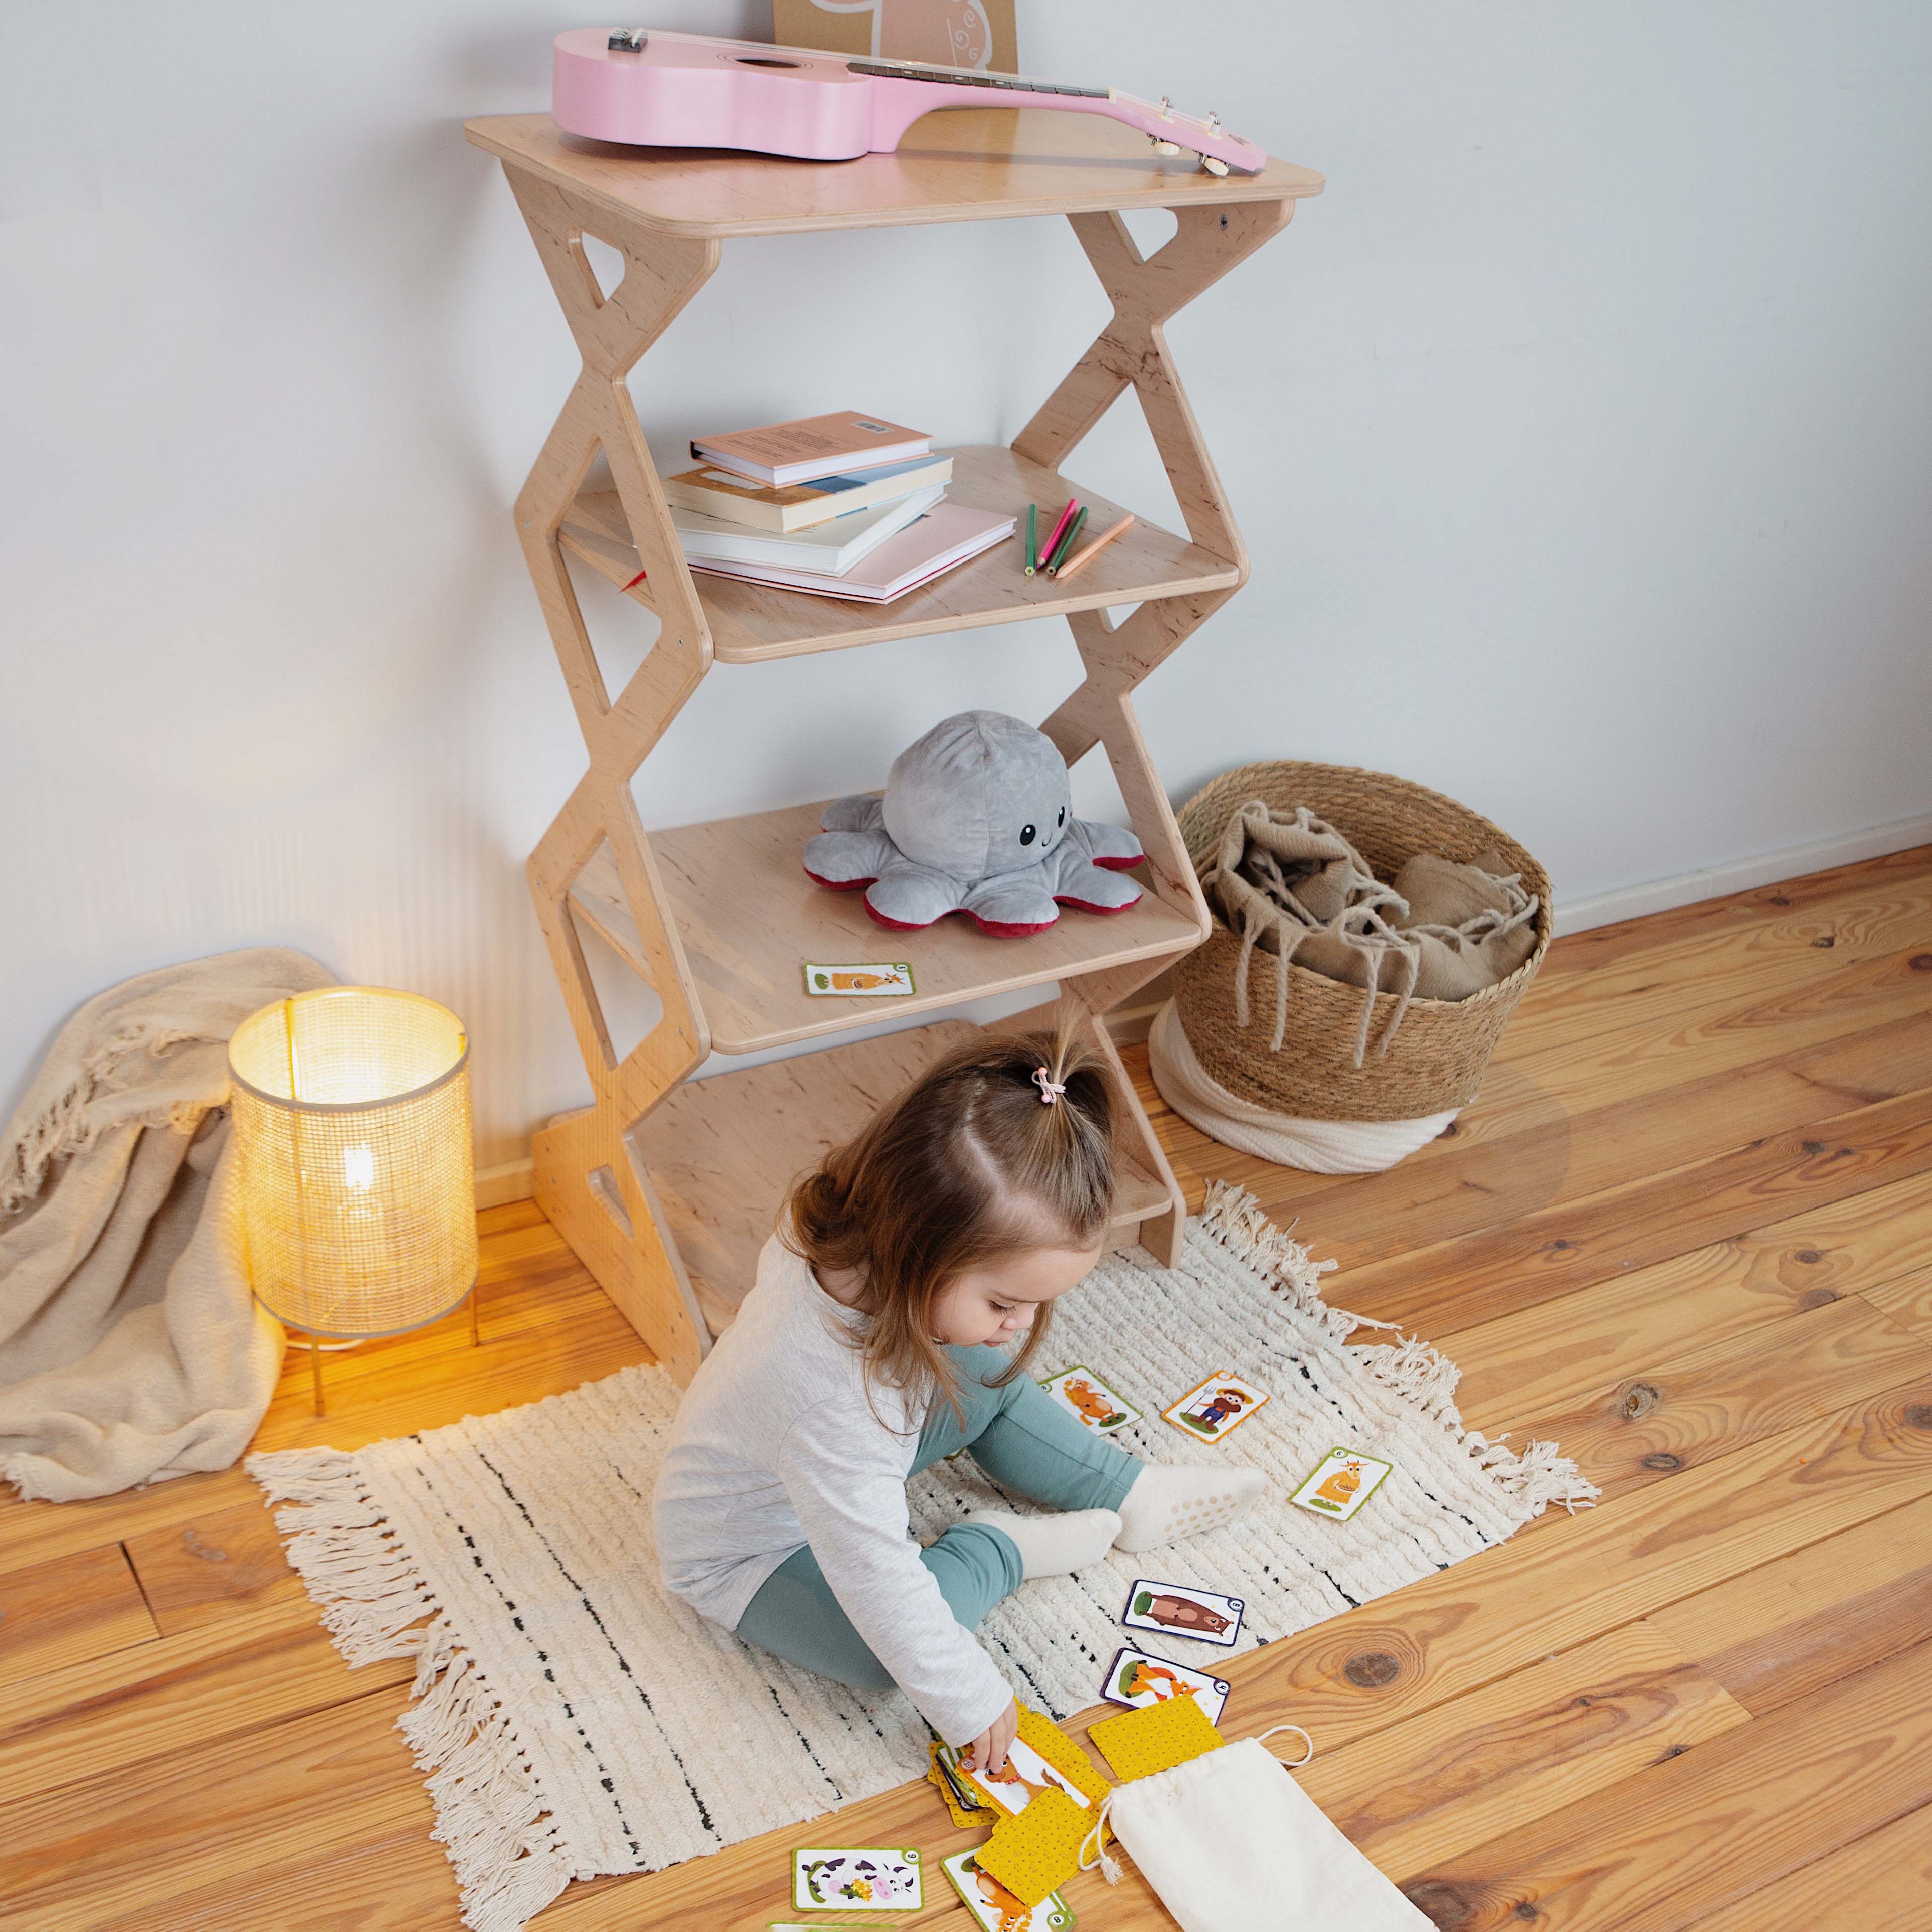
1181, 1610
1137, 1679
1342, 1481
1217, 1407
1085, 1397
849, 1878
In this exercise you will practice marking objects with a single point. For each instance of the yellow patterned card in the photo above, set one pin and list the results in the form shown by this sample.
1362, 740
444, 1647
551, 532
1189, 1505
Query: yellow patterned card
1137, 1744
1038, 1852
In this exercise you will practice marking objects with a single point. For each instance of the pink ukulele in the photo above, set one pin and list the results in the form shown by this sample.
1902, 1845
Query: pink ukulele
657, 90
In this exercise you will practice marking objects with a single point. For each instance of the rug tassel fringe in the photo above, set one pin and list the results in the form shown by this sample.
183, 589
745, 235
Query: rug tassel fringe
491, 1815
1409, 1366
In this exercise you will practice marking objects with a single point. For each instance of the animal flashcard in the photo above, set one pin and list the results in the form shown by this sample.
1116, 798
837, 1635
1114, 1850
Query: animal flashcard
994, 1908
1136, 1679
1183, 1611
892, 981
1342, 1481
1079, 1390
848, 1878
1217, 1407
1024, 1776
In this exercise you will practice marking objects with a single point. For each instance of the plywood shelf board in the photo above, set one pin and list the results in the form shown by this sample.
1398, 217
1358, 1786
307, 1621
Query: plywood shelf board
724, 1152
751, 622
749, 919
962, 164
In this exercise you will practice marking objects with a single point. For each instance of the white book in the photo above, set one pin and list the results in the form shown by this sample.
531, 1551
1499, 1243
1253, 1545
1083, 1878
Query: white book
825, 550
947, 534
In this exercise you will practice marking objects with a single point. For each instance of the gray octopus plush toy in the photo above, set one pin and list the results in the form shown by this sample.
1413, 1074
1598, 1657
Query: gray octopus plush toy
975, 819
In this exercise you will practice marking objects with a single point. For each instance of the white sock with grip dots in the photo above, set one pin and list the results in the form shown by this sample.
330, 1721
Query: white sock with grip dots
1055, 1545
1170, 1500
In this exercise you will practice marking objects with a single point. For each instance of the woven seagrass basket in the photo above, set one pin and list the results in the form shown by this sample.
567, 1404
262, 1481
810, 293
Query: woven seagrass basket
1436, 1060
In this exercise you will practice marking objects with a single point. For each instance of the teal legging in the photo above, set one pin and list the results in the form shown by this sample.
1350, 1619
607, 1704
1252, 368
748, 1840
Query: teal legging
1025, 1442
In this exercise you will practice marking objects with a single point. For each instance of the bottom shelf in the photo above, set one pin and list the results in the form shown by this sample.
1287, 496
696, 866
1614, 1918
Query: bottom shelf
723, 1152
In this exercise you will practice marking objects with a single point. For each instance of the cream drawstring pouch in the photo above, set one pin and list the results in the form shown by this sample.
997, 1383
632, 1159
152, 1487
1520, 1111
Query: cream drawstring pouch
1229, 1839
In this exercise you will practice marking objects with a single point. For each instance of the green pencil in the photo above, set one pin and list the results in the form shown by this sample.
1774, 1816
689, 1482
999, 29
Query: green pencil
1033, 530
1066, 543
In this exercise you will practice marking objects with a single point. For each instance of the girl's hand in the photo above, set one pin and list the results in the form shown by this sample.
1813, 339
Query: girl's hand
988, 1751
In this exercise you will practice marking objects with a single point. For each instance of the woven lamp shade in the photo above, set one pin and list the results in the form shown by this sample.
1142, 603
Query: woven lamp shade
352, 1142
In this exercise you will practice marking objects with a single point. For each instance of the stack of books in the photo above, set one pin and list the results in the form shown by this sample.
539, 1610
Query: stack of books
843, 505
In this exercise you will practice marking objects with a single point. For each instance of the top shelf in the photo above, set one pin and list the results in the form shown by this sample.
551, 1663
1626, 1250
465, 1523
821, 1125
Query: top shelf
957, 164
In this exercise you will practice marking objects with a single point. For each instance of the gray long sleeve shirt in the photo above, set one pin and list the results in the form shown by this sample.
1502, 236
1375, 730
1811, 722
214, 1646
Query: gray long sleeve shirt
778, 1444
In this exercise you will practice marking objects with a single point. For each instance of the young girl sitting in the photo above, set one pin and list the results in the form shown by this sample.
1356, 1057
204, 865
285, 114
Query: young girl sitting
873, 1344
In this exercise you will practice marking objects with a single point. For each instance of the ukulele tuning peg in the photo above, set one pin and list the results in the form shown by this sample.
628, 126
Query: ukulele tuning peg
1214, 167
1167, 107
1166, 147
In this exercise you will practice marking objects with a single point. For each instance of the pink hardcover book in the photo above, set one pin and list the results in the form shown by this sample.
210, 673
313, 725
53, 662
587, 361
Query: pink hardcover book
948, 534
798, 452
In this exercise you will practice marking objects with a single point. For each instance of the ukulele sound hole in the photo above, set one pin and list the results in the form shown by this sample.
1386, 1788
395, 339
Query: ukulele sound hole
759, 60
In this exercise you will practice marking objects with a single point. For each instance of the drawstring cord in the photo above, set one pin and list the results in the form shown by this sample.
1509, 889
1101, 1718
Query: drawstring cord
1110, 1867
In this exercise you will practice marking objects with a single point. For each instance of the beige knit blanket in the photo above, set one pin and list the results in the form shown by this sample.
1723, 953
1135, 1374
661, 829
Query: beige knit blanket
131, 1348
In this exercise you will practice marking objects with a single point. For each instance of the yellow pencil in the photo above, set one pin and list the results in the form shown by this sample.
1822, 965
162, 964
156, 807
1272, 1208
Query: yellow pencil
1078, 560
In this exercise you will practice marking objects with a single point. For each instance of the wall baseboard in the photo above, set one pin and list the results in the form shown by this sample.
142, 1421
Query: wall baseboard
513, 1180
1740, 875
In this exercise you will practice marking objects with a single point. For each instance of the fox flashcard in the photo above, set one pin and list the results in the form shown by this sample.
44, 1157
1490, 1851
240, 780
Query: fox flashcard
1136, 1679
1080, 1391
1181, 1610
852, 1879
1020, 1779
1342, 1481
1217, 1407
994, 1908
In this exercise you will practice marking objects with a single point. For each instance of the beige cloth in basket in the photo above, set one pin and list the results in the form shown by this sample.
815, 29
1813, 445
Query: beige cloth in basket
1295, 887
131, 1348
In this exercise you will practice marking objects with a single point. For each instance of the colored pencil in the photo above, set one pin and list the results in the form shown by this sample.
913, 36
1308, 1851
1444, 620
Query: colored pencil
1079, 561
1066, 545
1033, 527
1059, 530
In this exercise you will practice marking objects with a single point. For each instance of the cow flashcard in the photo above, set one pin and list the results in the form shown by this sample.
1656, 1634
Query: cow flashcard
1217, 1407
1136, 1679
994, 1908
849, 1879
1181, 1610
1086, 1397
1341, 1482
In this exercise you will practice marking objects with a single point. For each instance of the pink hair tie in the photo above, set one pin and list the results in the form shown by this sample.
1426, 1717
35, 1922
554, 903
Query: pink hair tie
1050, 1089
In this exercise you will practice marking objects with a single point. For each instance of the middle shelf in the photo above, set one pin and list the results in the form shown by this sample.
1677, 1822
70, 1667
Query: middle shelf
749, 919
750, 622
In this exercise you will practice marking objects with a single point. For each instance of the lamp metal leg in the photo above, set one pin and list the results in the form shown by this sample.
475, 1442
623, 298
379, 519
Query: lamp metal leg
315, 1369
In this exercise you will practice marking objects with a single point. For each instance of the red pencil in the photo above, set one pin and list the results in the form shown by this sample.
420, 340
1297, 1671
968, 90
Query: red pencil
1065, 517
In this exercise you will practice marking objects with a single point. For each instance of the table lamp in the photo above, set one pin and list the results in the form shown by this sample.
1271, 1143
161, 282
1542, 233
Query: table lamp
355, 1163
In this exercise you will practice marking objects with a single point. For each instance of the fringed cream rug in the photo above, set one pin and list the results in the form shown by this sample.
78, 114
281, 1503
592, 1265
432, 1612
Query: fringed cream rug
575, 1720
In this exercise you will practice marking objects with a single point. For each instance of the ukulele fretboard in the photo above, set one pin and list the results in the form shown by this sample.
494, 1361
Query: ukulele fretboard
959, 77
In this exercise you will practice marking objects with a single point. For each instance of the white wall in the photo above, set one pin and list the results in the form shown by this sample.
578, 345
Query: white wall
1579, 433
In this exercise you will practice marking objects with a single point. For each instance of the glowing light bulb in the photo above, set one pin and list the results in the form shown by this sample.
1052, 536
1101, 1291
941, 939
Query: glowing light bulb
358, 1167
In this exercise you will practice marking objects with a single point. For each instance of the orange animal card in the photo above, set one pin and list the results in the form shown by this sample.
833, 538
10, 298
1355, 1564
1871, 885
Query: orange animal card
1341, 1483
1217, 1407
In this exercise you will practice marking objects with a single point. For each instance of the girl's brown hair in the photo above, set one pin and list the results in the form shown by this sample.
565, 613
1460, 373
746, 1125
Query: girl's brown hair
968, 1164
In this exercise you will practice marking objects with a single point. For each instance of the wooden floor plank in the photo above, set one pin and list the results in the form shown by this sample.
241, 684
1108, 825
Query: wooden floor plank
1457, 1283
67, 1610
1552, 1733
1793, 1625
1668, 1413
1879, 1883
202, 1571
1532, 1360
1663, 1849
1907, 1300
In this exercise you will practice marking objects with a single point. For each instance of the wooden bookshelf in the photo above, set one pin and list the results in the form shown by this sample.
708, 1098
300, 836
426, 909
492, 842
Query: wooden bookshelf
666, 1188
750, 622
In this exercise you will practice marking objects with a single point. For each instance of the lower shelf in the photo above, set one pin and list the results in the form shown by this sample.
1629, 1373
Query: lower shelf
723, 1152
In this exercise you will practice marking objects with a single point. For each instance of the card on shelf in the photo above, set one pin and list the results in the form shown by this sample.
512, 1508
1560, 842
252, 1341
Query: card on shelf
892, 980
1085, 1397
1341, 1482
994, 1908
1017, 1782
1216, 1407
1181, 1610
1136, 1679
855, 1878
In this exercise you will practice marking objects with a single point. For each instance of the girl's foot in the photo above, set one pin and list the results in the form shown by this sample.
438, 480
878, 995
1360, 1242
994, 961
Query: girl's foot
1054, 1545
1173, 1499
